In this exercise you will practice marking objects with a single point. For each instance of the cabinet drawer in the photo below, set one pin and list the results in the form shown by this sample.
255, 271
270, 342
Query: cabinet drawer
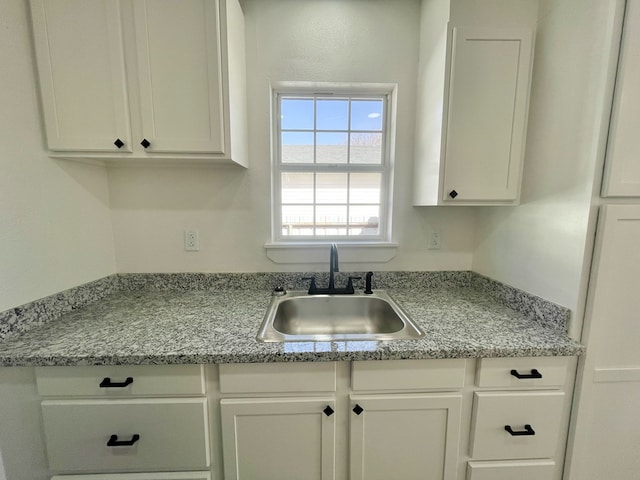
139, 476
542, 411
497, 372
172, 434
278, 377
114, 380
408, 374
522, 470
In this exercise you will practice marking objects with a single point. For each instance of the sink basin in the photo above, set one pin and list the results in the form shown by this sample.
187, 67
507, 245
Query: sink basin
298, 316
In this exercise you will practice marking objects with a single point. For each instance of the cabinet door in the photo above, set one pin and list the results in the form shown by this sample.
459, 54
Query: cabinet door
274, 439
516, 425
126, 435
487, 112
622, 174
405, 436
179, 74
82, 77
139, 476
520, 470
609, 428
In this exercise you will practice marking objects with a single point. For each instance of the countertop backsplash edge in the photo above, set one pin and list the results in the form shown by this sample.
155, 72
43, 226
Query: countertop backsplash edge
25, 317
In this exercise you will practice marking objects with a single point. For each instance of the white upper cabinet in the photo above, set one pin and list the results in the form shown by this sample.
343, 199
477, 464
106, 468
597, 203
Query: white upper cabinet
487, 114
622, 172
82, 74
473, 96
180, 84
142, 80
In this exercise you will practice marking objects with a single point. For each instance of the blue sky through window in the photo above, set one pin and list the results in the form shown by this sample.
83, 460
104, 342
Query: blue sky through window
331, 114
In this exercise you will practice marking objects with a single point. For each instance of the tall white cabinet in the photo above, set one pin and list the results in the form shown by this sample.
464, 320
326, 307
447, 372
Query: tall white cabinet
607, 427
622, 172
141, 79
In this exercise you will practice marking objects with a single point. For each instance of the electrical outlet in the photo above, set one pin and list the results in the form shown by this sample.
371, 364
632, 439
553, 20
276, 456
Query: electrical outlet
434, 241
191, 241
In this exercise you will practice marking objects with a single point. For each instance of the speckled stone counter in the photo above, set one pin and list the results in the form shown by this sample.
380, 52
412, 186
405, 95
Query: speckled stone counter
179, 319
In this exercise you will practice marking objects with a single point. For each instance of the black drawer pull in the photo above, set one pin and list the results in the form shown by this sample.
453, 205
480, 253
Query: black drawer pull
534, 374
358, 409
522, 433
114, 442
145, 143
107, 383
328, 411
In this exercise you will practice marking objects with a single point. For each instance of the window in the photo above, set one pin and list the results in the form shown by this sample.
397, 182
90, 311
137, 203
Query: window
331, 168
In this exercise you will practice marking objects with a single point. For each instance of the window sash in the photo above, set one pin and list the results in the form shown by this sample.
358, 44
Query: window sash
383, 168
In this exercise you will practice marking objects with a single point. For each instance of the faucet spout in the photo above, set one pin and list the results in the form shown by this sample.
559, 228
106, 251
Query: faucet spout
333, 265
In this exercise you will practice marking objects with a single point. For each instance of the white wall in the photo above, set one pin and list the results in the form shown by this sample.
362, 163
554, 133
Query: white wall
314, 40
55, 230
541, 246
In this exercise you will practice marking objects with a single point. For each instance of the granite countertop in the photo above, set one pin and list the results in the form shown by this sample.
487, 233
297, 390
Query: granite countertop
154, 325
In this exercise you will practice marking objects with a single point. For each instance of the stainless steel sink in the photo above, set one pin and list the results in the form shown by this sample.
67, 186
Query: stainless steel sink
298, 316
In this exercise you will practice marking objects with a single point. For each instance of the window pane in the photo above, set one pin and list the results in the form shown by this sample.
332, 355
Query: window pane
365, 187
364, 220
331, 188
297, 188
331, 220
331, 147
296, 114
332, 114
366, 148
297, 147
297, 220
366, 115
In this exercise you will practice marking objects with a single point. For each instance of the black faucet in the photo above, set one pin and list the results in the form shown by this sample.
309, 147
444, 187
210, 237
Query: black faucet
333, 268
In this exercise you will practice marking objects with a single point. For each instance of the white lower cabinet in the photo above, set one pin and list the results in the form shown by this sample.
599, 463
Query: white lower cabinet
519, 426
125, 422
411, 436
516, 424
278, 438
520, 470
367, 425
450, 419
124, 435
139, 476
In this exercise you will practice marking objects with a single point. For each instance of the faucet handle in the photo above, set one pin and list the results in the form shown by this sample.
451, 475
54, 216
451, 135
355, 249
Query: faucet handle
312, 286
367, 288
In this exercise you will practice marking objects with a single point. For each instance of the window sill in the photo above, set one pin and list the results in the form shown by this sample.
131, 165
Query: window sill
378, 252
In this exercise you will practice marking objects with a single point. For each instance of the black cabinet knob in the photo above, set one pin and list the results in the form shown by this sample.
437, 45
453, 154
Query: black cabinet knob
453, 194
118, 143
358, 409
145, 143
328, 411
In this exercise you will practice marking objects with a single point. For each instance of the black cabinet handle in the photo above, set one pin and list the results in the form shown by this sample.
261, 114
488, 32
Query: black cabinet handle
522, 433
534, 374
453, 194
114, 442
118, 143
328, 411
358, 409
145, 143
107, 383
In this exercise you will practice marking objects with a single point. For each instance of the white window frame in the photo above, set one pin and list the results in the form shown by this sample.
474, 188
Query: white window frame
386, 92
